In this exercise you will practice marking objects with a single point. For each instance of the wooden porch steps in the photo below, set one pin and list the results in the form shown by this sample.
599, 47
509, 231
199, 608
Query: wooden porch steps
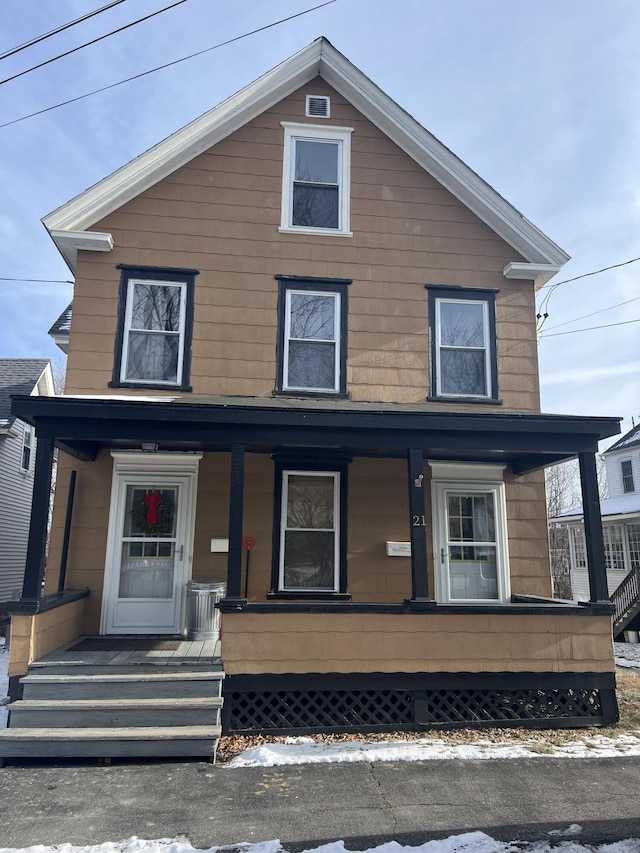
95, 712
122, 742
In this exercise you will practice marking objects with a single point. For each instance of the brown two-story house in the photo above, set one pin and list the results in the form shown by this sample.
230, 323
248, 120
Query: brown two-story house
303, 322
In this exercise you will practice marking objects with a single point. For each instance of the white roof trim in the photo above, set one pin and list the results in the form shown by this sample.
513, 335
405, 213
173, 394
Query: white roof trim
539, 273
322, 58
69, 241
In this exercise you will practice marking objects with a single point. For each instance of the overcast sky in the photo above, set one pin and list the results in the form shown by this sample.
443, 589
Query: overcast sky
540, 97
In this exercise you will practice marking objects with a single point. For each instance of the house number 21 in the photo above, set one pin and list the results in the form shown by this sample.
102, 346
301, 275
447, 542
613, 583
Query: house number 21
418, 521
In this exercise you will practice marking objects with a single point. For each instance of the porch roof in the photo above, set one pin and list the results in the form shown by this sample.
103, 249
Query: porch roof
82, 425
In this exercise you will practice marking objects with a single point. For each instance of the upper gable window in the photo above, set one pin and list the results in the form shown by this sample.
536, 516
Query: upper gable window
463, 344
316, 179
154, 334
626, 470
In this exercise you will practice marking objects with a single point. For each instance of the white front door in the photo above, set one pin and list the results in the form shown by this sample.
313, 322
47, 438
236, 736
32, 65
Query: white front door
149, 550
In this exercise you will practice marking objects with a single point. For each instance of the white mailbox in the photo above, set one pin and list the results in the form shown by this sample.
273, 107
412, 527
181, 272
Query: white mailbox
398, 549
220, 546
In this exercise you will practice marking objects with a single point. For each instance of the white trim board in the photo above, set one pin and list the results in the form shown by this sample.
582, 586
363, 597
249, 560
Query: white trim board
318, 58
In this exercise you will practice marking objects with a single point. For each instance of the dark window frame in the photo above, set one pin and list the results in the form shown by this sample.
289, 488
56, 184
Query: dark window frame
340, 286
160, 274
332, 464
437, 292
627, 478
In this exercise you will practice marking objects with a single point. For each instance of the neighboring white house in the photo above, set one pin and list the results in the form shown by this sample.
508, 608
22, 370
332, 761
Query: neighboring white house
17, 456
620, 519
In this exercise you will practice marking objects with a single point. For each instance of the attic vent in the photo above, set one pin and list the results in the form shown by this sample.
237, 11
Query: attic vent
317, 106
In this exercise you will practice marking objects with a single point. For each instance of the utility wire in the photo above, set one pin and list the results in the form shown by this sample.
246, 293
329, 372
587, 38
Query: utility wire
88, 43
590, 329
168, 64
43, 280
57, 30
593, 314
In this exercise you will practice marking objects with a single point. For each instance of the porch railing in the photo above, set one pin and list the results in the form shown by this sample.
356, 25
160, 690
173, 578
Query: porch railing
626, 599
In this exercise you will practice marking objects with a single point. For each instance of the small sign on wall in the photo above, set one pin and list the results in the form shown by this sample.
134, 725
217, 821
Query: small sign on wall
220, 546
398, 549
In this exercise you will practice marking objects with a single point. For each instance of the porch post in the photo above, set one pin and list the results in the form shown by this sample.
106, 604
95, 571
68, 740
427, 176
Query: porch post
593, 528
417, 526
236, 503
38, 524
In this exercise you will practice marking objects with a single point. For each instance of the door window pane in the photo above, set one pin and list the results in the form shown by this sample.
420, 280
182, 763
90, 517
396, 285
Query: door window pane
149, 539
473, 566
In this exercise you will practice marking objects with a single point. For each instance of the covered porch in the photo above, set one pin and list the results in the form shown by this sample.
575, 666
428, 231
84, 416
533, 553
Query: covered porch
384, 624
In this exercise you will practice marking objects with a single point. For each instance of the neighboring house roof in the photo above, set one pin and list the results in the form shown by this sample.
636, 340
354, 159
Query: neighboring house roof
69, 223
623, 505
61, 328
19, 376
630, 439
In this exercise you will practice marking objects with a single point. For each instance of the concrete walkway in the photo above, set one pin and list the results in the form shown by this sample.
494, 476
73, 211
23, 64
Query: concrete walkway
304, 806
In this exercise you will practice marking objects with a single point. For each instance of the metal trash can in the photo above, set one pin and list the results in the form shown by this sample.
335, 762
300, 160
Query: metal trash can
203, 617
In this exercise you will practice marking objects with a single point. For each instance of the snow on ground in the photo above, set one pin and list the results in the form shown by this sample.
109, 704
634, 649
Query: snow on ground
627, 655
469, 842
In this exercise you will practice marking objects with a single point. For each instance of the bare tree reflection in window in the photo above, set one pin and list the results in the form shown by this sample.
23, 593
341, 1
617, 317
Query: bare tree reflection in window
309, 542
154, 335
462, 349
312, 345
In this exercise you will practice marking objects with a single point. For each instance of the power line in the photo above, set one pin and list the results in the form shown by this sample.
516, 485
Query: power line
590, 329
88, 43
57, 30
169, 64
42, 280
544, 305
593, 314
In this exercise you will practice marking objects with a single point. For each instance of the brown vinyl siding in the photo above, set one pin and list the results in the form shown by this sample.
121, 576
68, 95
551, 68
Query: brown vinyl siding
361, 642
220, 214
377, 513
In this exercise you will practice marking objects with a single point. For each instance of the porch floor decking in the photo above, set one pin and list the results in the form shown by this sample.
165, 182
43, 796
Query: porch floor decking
192, 653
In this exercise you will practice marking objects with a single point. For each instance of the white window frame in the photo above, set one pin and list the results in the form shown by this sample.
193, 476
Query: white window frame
335, 529
131, 284
469, 479
624, 476
341, 136
486, 349
28, 442
286, 386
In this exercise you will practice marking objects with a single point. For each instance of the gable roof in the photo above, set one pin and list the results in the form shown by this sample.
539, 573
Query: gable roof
60, 330
18, 376
67, 225
630, 439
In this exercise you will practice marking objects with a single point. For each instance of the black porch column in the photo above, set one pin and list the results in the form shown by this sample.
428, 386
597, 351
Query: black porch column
236, 504
417, 526
37, 545
593, 528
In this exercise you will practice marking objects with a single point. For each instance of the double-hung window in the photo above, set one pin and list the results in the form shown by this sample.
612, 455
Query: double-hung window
27, 448
310, 521
470, 533
463, 344
154, 336
316, 179
626, 472
312, 336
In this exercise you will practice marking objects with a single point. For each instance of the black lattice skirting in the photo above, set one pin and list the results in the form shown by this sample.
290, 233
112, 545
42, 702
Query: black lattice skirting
285, 704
